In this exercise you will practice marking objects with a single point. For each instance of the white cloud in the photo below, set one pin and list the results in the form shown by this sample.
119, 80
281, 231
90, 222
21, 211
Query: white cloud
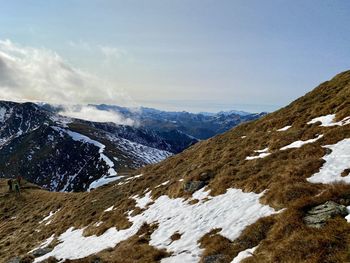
41, 75
90, 113
34, 74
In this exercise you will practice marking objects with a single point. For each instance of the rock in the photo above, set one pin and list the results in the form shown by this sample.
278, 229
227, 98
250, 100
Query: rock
95, 259
192, 186
27, 259
218, 258
41, 252
328, 151
51, 260
318, 215
206, 176
14, 260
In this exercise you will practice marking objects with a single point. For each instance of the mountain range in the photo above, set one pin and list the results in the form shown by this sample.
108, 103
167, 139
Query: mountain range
67, 154
198, 125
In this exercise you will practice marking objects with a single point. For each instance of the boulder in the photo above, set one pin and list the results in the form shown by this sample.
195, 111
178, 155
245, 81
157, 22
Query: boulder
41, 251
218, 258
95, 259
318, 215
192, 186
25, 259
14, 260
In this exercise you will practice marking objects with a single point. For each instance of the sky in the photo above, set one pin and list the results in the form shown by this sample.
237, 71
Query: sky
194, 55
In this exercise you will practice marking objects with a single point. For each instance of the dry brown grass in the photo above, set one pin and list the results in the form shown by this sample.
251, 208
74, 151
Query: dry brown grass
215, 244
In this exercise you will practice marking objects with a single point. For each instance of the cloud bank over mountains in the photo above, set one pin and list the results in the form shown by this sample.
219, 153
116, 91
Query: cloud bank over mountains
93, 114
41, 75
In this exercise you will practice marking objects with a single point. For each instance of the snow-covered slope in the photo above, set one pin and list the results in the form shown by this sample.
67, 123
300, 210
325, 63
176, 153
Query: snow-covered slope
63, 154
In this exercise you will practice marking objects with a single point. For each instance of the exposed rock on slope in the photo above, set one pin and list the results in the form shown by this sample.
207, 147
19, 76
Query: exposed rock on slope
243, 205
319, 215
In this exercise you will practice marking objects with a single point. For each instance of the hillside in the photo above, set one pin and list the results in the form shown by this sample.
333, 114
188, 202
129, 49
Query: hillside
251, 194
64, 154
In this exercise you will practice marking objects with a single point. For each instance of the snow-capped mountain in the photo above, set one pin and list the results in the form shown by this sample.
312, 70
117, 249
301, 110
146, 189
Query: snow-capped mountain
63, 154
198, 125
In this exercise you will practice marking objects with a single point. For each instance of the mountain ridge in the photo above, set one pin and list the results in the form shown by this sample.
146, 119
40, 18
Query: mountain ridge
197, 125
241, 196
37, 145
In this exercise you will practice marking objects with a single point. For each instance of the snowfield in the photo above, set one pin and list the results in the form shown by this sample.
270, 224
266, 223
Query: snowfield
336, 162
144, 154
232, 212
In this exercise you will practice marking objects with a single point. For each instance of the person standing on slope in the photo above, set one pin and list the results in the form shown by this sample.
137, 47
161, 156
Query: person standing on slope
10, 184
19, 179
16, 186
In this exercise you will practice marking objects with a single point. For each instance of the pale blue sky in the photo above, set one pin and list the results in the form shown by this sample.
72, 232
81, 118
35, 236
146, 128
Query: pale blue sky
197, 55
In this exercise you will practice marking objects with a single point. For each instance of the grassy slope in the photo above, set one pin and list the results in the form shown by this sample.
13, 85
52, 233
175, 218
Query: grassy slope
282, 237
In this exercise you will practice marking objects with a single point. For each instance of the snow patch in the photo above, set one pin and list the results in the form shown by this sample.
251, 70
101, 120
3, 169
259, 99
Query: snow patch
44, 244
336, 162
162, 184
263, 154
144, 154
109, 209
103, 181
62, 120
244, 254
144, 201
262, 151
97, 224
2, 114
298, 144
329, 121
285, 128
348, 216
49, 217
201, 194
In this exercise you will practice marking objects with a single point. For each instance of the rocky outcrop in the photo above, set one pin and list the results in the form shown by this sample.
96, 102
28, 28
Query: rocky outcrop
198, 182
192, 186
318, 215
41, 251
218, 258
